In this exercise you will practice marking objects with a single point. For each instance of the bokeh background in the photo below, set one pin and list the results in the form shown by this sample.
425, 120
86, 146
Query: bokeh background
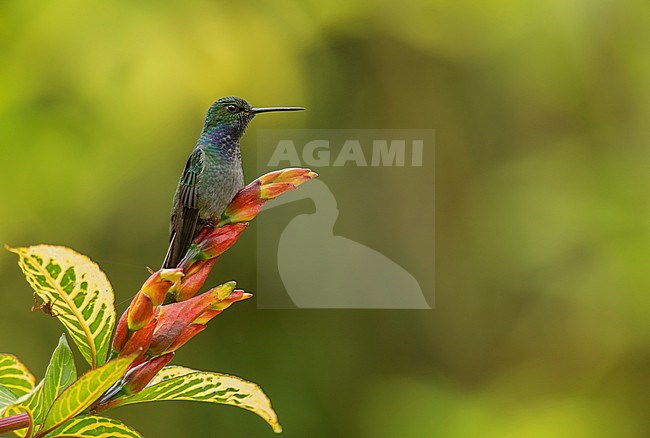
541, 113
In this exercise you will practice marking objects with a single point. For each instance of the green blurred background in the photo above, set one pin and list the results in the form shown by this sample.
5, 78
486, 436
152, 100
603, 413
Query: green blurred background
541, 113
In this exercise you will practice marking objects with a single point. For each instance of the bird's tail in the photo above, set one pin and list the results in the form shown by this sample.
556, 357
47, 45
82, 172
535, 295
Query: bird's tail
184, 230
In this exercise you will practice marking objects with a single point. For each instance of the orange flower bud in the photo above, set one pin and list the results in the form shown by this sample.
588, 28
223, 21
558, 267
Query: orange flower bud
216, 309
139, 312
139, 376
213, 244
249, 201
139, 340
158, 284
121, 334
196, 275
151, 295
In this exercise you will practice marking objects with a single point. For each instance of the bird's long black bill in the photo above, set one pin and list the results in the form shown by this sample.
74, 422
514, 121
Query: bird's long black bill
276, 108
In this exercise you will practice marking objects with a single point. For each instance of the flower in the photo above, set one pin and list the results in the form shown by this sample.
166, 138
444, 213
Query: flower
179, 322
151, 295
166, 312
140, 375
249, 201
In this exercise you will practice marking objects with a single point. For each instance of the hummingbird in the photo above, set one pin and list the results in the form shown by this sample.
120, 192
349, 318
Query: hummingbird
213, 173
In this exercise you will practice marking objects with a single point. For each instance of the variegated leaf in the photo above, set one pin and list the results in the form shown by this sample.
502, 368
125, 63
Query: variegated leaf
60, 373
170, 372
84, 391
29, 403
180, 383
15, 376
88, 426
79, 293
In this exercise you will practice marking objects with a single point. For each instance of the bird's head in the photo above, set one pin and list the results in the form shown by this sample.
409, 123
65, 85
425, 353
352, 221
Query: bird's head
235, 113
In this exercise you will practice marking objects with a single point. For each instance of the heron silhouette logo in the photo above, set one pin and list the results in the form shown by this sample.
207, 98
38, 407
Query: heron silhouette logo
321, 267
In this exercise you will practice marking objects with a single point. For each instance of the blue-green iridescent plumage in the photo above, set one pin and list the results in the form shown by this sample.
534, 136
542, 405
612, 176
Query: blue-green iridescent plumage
212, 175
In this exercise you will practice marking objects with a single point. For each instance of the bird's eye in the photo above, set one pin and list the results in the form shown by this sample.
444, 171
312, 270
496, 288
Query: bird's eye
232, 109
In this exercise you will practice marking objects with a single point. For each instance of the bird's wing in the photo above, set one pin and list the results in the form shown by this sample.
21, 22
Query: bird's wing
185, 213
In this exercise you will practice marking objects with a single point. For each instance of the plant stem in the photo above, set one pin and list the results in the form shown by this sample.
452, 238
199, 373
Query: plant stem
15, 422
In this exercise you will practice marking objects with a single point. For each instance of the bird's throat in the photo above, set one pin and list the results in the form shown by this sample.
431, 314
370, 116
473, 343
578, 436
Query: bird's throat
222, 140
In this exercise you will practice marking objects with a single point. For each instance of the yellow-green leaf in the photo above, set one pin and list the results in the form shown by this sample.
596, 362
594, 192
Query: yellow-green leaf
84, 391
15, 376
180, 383
87, 426
79, 293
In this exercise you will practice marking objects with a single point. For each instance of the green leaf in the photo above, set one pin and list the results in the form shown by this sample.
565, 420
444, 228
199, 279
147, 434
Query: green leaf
60, 373
84, 391
93, 426
79, 292
180, 383
15, 376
